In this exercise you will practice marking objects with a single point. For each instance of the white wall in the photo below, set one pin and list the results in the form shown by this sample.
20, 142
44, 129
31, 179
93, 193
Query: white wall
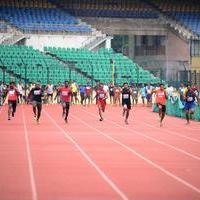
39, 41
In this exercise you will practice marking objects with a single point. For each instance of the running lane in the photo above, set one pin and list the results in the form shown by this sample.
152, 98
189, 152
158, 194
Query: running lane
14, 172
61, 171
130, 170
179, 162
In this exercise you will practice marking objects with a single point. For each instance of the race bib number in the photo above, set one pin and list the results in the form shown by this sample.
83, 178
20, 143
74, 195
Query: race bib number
149, 91
37, 92
64, 93
125, 96
135, 92
101, 96
12, 92
190, 98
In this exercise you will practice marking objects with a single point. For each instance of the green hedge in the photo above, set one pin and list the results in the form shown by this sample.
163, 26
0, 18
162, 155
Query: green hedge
174, 107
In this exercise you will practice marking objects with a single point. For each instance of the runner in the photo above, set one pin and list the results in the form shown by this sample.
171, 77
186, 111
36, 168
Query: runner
143, 94
111, 93
101, 96
88, 94
20, 89
35, 96
117, 93
11, 99
65, 98
126, 101
149, 90
1, 93
135, 91
161, 99
82, 89
190, 104
74, 89
49, 91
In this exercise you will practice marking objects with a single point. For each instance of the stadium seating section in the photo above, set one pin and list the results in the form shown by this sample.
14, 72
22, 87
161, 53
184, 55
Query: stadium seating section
187, 12
39, 16
104, 8
98, 64
40, 67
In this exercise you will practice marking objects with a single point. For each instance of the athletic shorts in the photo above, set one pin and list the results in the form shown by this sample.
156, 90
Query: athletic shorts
101, 103
127, 104
35, 103
163, 107
148, 97
74, 94
88, 96
112, 94
12, 103
50, 95
65, 104
189, 106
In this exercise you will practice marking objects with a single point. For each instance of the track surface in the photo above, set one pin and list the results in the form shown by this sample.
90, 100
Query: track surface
91, 160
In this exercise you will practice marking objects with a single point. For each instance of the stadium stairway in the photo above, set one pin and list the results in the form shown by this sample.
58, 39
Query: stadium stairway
12, 34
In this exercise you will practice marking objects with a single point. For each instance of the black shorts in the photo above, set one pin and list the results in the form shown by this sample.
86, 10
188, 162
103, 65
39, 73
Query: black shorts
65, 104
128, 104
36, 103
148, 97
111, 94
163, 107
50, 95
12, 103
74, 94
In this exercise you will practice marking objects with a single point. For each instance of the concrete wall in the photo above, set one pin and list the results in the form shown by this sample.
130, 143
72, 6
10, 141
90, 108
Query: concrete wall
39, 41
177, 48
127, 26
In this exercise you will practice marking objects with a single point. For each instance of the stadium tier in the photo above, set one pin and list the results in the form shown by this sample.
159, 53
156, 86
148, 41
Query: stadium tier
38, 18
29, 3
3, 26
104, 8
187, 12
40, 67
99, 65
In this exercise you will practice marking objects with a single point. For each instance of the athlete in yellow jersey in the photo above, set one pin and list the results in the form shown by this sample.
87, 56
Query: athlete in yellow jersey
74, 89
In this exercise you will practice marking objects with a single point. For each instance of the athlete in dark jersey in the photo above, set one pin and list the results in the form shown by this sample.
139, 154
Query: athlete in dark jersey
126, 101
35, 97
190, 104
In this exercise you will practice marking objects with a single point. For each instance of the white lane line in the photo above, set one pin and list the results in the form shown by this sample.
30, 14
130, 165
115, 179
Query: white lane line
30, 163
88, 159
160, 168
173, 133
152, 139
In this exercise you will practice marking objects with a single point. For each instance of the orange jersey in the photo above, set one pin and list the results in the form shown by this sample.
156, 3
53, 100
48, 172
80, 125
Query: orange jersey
161, 97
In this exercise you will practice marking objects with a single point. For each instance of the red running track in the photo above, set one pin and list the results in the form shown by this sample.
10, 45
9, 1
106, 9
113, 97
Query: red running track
88, 159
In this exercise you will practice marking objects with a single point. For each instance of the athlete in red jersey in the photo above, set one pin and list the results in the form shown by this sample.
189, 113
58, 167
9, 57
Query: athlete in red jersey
12, 98
101, 96
65, 98
161, 99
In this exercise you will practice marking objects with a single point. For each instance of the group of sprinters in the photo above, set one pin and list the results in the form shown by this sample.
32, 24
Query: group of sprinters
66, 92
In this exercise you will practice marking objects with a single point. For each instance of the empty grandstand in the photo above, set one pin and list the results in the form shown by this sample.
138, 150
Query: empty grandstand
142, 37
